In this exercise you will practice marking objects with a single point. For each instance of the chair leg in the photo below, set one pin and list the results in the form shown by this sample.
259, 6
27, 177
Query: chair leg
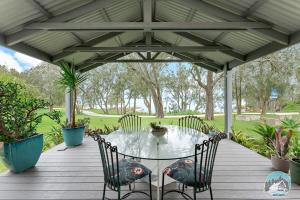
103, 195
162, 186
129, 187
195, 198
150, 187
119, 193
211, 194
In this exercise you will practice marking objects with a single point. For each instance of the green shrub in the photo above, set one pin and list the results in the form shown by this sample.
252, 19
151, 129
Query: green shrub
18, 112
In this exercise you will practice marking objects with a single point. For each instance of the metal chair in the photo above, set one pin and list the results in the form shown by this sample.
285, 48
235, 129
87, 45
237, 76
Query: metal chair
192, 122
118, 173
195, 173
130, 122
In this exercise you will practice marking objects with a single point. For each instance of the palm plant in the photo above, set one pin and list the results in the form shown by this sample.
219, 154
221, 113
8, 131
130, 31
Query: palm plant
290, 123
70, 80
267, 132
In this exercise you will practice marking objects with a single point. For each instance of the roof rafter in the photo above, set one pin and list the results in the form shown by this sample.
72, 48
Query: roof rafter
75, 13
218, 12
91, 42
206, 42
26, 49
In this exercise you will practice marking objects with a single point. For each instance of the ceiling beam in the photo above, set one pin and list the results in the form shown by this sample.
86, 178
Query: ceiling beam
256, 5
141, 26
75, 13
223, 14
147, 17
148, 49
263, 51
202, 64
90, 67
206, 42
38, 6
27, 50
144, 61
91, 42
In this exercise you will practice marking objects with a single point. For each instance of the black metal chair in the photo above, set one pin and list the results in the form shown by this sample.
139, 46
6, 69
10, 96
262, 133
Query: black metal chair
118, 173
192, 122
130, 122
195, 173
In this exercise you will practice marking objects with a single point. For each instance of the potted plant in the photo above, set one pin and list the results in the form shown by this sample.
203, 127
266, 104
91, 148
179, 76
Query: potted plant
295, 161
157, 130
20, 115
280, 146
70, 80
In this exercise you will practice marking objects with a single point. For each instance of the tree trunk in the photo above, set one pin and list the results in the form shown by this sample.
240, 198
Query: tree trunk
238, 93
73, 118
157, 99
209, 111
134, 104
263, 106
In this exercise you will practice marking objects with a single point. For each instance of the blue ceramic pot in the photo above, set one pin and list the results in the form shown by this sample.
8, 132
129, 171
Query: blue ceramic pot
22, 155
73, 136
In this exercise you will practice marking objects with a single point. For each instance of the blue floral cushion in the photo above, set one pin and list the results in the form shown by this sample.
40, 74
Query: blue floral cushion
130, 171
183, 172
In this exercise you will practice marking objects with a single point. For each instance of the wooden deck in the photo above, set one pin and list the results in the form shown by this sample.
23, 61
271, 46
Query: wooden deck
76, 174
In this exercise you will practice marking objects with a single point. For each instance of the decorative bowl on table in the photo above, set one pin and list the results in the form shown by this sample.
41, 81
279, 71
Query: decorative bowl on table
157, 130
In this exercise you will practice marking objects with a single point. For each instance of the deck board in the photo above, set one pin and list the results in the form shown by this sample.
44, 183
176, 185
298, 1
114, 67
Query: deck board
76, 173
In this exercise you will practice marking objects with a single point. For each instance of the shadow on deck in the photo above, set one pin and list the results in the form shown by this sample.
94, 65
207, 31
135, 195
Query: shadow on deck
239, 173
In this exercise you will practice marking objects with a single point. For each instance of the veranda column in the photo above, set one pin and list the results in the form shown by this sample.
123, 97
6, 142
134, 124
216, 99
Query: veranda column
228, 100
68, 104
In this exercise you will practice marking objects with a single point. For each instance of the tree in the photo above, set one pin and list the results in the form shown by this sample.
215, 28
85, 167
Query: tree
238, 86
151, 75
200, 76
272, 72
179, 85
44, 77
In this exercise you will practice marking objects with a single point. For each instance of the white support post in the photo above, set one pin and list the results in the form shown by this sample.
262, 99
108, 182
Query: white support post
68, 104
228, 100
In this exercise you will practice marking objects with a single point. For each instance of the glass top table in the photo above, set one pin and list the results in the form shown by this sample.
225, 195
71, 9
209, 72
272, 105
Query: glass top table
177, 143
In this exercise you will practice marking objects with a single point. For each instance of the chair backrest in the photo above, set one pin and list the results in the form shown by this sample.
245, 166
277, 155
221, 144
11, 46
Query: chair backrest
110, 162
205, 154
192, 122
130, 122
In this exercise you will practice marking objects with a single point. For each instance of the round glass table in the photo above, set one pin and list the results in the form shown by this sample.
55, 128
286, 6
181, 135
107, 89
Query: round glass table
177, 143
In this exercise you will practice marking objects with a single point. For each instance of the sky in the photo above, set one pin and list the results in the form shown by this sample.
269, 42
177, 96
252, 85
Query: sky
16, 60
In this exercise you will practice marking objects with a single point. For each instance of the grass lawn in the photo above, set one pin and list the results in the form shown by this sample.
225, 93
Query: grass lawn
100, 122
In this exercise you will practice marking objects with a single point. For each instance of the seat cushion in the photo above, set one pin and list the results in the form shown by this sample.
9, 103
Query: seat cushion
183, 172
130, 171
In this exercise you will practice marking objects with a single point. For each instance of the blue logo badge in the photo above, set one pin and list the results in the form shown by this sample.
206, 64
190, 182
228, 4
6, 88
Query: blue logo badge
278, 184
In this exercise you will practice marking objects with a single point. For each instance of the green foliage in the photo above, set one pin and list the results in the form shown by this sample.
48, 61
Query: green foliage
71, 80
54, 137
290, 123
251, 143
294, 150
18, 113
82, 122
267, 132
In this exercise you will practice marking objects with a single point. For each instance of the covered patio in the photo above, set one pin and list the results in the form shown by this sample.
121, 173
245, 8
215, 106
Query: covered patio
213, 34
239, 173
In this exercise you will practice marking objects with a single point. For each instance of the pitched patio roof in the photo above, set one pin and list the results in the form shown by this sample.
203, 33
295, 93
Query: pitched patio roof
210, 33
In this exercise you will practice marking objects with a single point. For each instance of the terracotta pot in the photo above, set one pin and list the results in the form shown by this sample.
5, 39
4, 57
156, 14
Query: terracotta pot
295, 170
280, 164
